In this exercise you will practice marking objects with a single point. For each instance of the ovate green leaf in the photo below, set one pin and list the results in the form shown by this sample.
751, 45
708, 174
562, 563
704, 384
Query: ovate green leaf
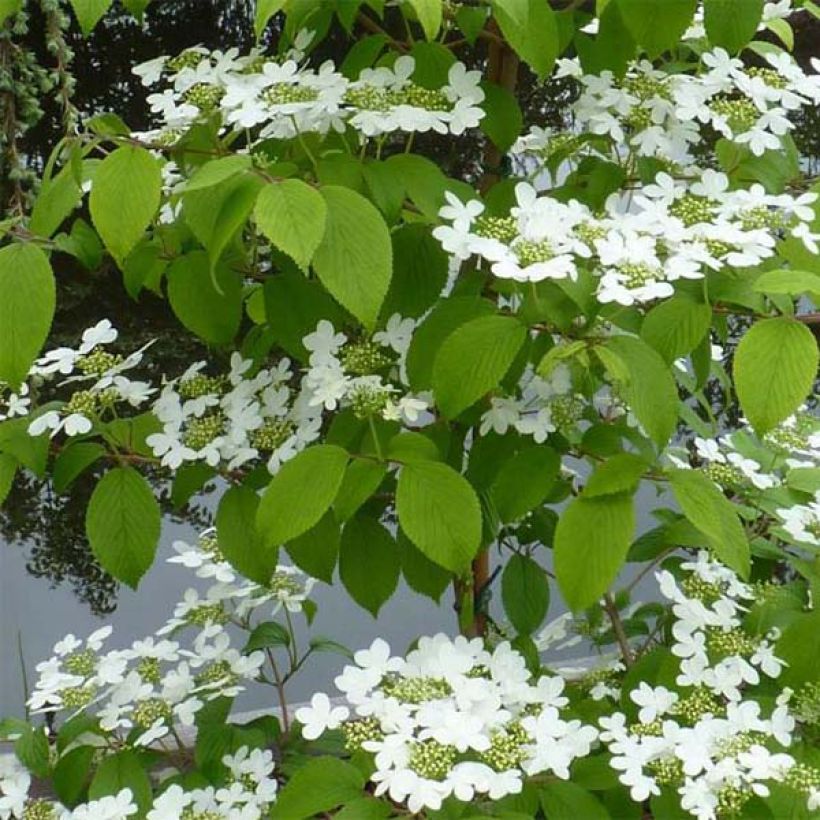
657, 25
89, 12
124, 197
27, 301
525, 592
123, 524
292, 215
300, 493
529, 26
429, 14
355, 258
440, 513
731, 23
774, 369
369, 563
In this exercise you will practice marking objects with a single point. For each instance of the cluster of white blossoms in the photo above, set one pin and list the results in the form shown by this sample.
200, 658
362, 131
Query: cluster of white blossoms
707, 738
775, 474
283, 99
452, 718
142, 695
231, 419
101, 375
640, 245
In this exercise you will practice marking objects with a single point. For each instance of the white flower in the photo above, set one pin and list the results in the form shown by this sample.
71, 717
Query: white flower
654, 701
320, 716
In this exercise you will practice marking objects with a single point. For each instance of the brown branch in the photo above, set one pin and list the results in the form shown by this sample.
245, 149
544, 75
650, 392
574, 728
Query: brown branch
618, 628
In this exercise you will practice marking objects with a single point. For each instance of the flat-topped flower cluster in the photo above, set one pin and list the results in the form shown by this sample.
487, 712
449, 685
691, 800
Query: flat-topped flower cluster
282, 99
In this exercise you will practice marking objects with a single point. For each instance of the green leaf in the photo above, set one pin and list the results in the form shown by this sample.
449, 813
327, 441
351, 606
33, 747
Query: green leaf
419, 272
525, 592
774, 369
27, 301
564, 800
714, 515
590, 546
188, 480
292, 215
529, 26
503, 119
366, 808
30, 451
657, 25
675, 326
56, 200
318, 786
265, 635
211, 315
265, 9
32, 750
429, 14
619, 474
8, 469
315, 551
73, 460
445, 317
440, 513
369, 563
355, 258
524, 481
293, 307
474, 359
799, 647
791, 282
218, 170
420, 573
471, 21
124, 197
123, 524
300, 493
238, 539
137, 7
409, 446
9, 7
731, 23
122, 770
72, 774
646, 384
89, 12
362, 479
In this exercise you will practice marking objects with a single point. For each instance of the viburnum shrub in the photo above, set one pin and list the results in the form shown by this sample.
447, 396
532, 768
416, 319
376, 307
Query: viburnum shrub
456, 371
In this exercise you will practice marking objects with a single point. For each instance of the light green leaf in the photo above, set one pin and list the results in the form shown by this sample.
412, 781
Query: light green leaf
445, 317
124, 197
56, 200
440, 513
525, 593
355, 258
429, 14
529, 26
675, 326
474, 359
369, 563
292, 215
590, 546
362, 479
89, 12
218, 170
30, 451
211, 315
524, 481
318, 786
619, 474
8, 468
137, 7
648, 388
791, 282
774, 368
714, 515
731, 23
238, 539
27, 301
9, 7
799, 647
657, 25
300, 493
123, 524
265, 9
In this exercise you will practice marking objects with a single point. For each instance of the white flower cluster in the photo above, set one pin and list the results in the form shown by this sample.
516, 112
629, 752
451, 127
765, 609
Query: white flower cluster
90, 363
285, 99
664, 114
640, 245
451, 719
708, 740
774, 474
